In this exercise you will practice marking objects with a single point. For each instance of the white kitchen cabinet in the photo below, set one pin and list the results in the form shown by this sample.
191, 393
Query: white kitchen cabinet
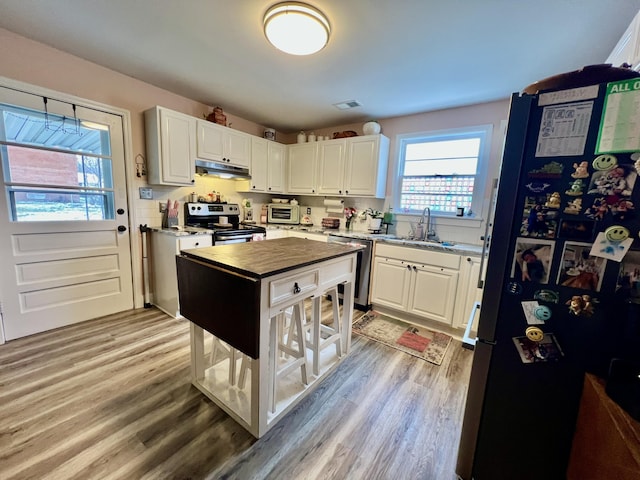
366, 166
420, 282
331, 166
354, 166
171, 147
164, 248
267, 166
275, 234
468, 292
302, 166
318, 237
222, 144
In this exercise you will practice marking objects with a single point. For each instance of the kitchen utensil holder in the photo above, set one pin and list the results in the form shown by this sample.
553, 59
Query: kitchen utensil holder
168, 222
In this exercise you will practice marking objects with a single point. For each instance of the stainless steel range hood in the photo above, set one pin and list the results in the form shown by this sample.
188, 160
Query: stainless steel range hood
207, 167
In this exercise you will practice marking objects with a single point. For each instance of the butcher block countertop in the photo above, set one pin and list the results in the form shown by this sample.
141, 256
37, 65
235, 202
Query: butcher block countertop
266, 258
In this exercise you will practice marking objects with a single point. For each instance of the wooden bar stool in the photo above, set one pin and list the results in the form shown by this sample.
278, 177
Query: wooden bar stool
315, 329
224, 351
279, 368
321, 335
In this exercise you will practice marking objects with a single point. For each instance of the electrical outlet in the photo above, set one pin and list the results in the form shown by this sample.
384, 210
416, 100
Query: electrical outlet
308, 210
146, 193
162, 207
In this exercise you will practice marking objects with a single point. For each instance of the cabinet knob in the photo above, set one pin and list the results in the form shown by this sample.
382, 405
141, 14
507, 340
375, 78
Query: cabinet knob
414, 268
468, 259
122, 228
296, 288
408, 267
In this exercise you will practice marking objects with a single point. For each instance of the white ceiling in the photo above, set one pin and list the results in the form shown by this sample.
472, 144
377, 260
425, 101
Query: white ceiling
395, 57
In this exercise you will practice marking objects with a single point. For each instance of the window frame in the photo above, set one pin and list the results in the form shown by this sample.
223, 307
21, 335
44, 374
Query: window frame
483, 132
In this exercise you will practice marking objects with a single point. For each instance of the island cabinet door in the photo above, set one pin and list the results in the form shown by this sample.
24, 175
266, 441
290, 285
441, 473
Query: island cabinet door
223, 303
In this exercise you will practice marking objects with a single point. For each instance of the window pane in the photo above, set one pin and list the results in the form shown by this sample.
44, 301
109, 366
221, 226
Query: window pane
51, 205
56, 168
454, 166
54, 131
467, 147
43, 167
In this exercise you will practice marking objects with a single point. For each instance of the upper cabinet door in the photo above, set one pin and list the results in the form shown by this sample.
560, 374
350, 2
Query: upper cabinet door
302, 167
210, 141
259, 149
366, 166
275, 167
221, 144
171, 147
238, 148
331, 164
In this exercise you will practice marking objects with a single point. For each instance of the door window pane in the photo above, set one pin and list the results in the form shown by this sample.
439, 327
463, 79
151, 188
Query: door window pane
56, 168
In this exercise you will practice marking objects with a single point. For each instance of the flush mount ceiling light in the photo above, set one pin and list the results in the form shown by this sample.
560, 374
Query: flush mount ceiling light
296, 28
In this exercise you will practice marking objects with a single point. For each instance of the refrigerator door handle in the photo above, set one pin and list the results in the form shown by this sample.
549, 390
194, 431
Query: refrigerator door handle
467, 341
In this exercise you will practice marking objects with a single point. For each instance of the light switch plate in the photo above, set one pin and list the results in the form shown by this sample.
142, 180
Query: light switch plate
146, 193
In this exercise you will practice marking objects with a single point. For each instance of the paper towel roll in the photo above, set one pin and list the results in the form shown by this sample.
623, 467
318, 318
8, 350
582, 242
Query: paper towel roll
333, 203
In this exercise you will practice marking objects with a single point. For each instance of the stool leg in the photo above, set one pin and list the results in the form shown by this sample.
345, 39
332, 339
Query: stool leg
316, 337
273, 354
244, 366
232, 366
300, 320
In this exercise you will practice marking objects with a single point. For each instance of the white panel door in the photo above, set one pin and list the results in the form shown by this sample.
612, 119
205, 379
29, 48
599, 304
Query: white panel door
64, 222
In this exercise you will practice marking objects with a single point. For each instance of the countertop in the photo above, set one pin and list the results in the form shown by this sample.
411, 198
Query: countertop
451, 247
181, 231
263, 259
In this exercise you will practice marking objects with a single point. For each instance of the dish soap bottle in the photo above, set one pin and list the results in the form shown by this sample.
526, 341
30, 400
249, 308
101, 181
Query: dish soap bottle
387, 217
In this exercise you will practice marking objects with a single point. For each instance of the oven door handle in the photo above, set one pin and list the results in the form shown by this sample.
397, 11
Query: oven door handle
232, 236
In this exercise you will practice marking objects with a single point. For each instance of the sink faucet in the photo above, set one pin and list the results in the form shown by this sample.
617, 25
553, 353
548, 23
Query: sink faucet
427, 233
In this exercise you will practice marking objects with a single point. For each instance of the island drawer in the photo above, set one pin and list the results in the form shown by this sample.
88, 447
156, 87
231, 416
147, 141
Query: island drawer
293, 286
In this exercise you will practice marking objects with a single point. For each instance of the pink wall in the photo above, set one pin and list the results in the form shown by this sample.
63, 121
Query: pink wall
38, 64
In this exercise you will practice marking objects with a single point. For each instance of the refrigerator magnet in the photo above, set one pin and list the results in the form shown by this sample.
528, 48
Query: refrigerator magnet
548, 170
532, 260
628, 285
545, 350
574, 207
534, 313
580, 305
606, 245
548, 296
580, 269
576, 229
581, 170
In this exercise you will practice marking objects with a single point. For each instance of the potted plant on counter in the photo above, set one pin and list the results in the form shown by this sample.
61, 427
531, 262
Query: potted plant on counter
376, 218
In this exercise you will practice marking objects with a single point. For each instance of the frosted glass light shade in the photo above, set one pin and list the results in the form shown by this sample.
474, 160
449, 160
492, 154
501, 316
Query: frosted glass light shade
296, 28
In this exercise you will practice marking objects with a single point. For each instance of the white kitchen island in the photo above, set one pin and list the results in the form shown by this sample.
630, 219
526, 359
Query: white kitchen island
234, 292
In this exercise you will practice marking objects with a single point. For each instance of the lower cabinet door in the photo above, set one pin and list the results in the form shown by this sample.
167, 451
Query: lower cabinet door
433, 293
391, 283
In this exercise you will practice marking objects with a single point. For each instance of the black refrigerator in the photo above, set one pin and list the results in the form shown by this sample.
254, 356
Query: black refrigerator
563, 273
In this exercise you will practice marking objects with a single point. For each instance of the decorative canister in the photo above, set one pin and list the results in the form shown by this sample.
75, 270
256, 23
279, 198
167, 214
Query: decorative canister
269, 134
371, 128
311, 137
302, 137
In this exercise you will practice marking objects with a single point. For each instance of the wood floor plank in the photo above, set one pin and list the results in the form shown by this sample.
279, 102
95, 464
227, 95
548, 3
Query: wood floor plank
111, 399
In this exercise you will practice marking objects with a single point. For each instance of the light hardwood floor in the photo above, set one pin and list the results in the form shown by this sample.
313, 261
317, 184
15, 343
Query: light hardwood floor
111, 399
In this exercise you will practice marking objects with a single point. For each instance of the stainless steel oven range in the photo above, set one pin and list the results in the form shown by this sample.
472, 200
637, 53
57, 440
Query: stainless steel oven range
223, 219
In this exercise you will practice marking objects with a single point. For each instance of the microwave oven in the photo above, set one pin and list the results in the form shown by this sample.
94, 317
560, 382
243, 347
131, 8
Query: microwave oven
283, 213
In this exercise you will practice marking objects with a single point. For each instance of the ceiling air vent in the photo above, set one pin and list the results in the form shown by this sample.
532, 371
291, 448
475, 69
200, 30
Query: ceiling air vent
347, 105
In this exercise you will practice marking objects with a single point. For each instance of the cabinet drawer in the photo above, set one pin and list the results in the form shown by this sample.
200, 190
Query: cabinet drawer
419, 255
195, 241
295, 286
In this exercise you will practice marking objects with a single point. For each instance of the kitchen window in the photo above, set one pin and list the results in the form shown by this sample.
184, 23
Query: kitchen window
442, 170
57, 168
